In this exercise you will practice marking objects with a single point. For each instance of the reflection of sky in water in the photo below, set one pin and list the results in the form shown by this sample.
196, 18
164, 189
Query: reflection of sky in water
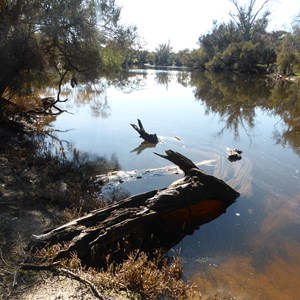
252, 251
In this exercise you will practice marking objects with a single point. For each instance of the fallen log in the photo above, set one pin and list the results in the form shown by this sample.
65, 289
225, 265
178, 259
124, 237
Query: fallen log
148, 221
149, 137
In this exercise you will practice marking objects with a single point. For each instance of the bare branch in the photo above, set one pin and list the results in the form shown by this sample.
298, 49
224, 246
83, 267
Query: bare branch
246, 16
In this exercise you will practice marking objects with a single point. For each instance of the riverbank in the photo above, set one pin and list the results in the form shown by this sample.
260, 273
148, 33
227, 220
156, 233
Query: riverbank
23, 211
38, 192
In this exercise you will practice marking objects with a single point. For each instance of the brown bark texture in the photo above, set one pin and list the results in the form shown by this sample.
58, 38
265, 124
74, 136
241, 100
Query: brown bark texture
158, 219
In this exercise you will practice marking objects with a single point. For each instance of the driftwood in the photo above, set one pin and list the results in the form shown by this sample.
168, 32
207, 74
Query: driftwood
149, 137
234, 154
148, 221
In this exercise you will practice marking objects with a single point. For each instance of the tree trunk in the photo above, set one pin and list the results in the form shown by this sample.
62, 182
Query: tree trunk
149, 137
148, 221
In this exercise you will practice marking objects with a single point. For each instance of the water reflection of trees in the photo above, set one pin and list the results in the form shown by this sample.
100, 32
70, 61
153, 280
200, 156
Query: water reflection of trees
163, 78
233, 97
183, 78
129, 81
236, 96
49, 144
285, 102
95, 94
88, 165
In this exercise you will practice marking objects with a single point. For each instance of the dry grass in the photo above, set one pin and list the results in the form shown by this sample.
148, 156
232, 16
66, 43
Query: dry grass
139, 277
42, 180
152, 278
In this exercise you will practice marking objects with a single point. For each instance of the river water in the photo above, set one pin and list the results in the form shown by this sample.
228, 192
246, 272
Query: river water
253, 250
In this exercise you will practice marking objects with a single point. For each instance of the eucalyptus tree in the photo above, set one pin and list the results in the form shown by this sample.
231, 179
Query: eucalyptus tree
163, 56
243, 43
182, 57
220, 37
42, 40
289, 49
248, 19
127, 41
142, 56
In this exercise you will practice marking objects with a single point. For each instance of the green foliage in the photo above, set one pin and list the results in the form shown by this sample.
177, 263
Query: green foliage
249, 56
231, 56
126, 43
216, 63
288, 52
198, 58
242, 44
182, 57
221, 36
112, 59
142, 57
44, 39
163, 55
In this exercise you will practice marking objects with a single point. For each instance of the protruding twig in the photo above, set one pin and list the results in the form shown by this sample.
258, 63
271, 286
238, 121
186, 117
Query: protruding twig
149, 137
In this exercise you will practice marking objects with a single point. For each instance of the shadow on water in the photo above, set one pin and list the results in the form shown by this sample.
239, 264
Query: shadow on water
176, 225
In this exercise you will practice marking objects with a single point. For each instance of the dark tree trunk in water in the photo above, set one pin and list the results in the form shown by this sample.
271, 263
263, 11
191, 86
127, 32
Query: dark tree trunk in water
156, 219
149, 137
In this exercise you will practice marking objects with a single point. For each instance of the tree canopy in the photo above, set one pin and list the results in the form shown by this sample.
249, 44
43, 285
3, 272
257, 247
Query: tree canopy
247, 19
163, 55
47, 41
288, 52
42, 40
243, 43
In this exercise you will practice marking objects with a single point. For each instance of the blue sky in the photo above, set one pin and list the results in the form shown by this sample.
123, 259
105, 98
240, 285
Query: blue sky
182, 22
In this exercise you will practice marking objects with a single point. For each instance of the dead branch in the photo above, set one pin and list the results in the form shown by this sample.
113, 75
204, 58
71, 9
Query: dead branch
151, 138
148, 221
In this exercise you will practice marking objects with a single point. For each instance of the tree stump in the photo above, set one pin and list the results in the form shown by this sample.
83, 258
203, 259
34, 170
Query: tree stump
149, 137
147, 221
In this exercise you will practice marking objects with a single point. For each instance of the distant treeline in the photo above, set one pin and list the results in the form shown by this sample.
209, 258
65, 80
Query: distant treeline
50, 43
243, 45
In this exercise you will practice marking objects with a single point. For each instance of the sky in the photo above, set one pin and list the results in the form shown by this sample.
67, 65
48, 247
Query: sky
182, 22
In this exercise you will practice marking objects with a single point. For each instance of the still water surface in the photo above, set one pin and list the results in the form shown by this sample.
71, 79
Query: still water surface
253, 250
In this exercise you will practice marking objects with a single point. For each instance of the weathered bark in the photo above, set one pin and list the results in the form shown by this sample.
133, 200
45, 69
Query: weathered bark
156, 219
149, 137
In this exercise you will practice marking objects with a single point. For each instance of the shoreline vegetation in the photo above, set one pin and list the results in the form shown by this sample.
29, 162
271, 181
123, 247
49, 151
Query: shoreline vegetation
39, 190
